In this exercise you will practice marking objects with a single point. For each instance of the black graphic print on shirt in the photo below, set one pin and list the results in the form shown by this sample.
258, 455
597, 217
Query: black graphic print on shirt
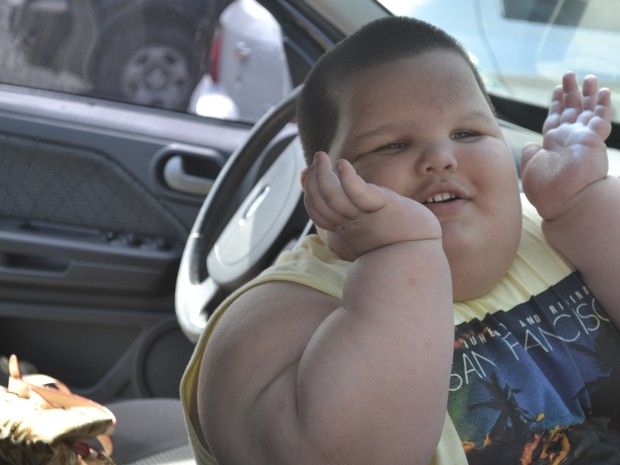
539, 383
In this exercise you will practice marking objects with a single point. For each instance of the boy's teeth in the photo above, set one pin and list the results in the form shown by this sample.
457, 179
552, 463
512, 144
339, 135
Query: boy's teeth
440, 197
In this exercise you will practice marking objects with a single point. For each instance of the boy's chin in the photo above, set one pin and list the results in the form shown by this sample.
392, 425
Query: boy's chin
477, 270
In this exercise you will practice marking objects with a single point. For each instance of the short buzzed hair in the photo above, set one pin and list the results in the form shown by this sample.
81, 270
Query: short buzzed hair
381, 41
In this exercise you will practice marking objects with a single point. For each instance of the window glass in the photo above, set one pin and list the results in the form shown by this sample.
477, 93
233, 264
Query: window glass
601, 15
143, 52
523, 47
158, 53
559, 12
23, 61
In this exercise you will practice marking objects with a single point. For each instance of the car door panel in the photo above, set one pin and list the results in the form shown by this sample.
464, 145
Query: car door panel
97, 198
91, 234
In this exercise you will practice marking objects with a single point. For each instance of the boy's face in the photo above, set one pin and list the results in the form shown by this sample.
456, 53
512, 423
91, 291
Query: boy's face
422, 127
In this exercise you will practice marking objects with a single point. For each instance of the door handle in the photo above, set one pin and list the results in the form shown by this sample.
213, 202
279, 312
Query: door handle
177, 178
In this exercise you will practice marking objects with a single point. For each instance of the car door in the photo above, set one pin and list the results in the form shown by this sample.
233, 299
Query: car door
97, 197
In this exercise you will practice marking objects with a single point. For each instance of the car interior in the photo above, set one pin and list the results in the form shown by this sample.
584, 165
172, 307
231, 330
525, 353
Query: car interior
108, 271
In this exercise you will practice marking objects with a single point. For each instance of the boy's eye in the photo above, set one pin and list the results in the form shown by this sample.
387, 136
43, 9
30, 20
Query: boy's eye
464, 134
392, 146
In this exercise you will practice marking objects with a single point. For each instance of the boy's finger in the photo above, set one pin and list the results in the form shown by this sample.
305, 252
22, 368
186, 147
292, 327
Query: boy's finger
572, 98
590, 92
364, 196
599, 112
572, 94
318, 210
555, 109
321, 213
603, 108
330, 189
317, 217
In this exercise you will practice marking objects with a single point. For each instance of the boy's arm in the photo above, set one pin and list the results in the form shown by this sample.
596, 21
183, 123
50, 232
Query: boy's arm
566, 180
292, 375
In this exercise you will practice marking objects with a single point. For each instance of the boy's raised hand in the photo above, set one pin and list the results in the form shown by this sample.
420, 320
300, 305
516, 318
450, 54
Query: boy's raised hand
573, 154
359, 216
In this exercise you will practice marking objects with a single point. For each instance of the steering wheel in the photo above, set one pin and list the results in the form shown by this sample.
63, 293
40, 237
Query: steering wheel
253, 211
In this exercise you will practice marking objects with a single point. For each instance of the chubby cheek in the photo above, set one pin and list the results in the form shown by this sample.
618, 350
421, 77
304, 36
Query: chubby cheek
503, 204
369, 172
494, 170
494, 179
387, 174
503, 207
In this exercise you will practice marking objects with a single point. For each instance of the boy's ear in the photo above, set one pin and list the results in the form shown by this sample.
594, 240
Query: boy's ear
302, 178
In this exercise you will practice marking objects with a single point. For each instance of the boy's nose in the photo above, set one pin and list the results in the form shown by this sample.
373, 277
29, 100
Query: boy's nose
436, 159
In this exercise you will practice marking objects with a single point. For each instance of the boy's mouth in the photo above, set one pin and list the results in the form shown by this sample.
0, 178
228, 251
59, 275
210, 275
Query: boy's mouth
441, 197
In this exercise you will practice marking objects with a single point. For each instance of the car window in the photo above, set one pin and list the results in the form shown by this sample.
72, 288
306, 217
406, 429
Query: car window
565, 13
137, 52
572, 13
522, 48
176, 55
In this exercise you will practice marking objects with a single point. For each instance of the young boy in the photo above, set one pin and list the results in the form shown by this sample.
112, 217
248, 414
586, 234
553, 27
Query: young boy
429, 320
